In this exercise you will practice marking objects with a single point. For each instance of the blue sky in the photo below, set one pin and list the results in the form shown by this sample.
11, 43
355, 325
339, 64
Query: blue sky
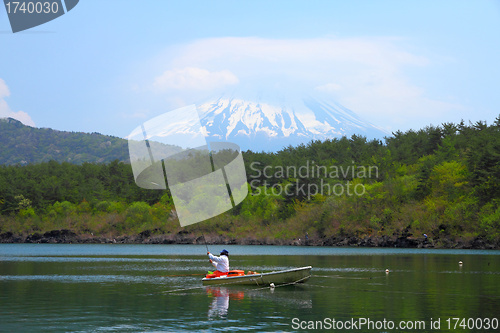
108, 66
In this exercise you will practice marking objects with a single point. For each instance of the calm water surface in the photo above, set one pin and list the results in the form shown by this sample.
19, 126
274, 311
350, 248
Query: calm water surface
154, 288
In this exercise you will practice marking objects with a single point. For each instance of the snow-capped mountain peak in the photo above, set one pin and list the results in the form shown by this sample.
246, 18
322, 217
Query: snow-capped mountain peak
270, 126
226, 118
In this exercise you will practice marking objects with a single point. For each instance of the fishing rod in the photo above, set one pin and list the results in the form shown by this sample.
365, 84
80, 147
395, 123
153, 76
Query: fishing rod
202, 274
204, 240
176, 275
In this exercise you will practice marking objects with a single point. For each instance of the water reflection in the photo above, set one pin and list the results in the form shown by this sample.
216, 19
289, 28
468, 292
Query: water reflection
297, 297
220, 303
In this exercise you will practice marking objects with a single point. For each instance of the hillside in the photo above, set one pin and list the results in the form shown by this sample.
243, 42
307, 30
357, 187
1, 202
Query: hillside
435, 187
21, 144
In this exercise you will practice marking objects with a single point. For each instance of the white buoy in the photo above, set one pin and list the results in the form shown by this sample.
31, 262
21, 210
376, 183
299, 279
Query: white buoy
272, 285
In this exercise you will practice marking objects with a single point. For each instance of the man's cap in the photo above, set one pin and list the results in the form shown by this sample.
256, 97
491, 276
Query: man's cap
224, 252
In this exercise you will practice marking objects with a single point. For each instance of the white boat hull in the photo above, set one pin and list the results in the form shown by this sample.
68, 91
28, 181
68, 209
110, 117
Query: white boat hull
294, 275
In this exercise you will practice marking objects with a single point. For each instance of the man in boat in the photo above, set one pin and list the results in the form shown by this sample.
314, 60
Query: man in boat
220, 263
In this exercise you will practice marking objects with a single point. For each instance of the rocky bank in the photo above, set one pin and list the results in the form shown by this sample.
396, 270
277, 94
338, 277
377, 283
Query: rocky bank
183, 237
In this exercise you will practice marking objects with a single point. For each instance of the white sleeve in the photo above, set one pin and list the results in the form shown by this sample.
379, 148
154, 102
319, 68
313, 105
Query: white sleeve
214, 258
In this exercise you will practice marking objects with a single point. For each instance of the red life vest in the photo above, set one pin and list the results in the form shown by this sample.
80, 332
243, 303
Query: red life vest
235, 272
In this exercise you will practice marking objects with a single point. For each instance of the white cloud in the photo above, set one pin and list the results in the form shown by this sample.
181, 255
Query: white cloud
4, 90
371, 76
5, 110
139, 114
306, 58
329, 87
193, 78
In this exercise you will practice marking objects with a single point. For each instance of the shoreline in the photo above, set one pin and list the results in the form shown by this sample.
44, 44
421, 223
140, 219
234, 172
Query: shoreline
65, 236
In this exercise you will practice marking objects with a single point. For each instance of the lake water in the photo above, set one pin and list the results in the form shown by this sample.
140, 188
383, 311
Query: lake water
153, 288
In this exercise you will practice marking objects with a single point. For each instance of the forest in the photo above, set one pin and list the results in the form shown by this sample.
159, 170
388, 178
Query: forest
439, 185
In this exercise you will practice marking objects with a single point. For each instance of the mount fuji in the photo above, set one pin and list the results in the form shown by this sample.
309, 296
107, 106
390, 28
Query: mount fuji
273, 125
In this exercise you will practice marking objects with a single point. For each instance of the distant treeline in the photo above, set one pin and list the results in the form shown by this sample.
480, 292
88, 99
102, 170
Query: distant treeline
442, 181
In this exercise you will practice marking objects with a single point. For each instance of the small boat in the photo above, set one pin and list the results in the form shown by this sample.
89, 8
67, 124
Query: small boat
238, 277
